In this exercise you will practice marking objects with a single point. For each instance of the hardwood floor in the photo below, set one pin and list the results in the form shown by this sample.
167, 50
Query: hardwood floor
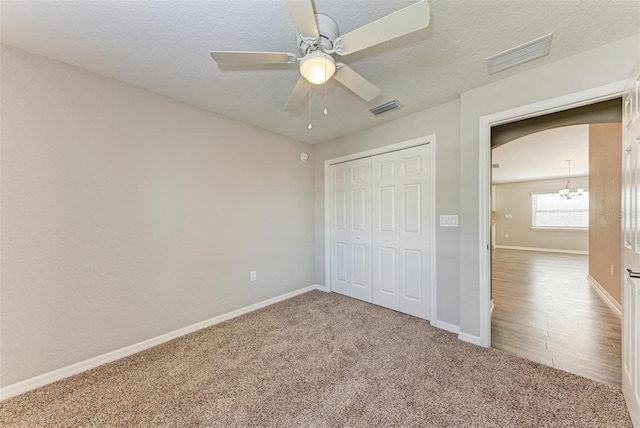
546, 311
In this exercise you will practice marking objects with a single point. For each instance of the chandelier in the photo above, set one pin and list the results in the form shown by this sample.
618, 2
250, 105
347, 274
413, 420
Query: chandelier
566, 192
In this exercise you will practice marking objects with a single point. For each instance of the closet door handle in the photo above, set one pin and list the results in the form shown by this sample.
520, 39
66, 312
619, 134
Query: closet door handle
633, 274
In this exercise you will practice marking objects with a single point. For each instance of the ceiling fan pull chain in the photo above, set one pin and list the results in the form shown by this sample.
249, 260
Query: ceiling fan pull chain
310, 125
326, 112
325, 88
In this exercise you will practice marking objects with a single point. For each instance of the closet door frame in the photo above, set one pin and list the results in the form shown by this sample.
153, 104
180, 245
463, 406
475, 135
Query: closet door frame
431, 141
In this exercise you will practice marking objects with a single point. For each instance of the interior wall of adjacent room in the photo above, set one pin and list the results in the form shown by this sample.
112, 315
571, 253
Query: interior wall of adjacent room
127, 215
605, 152
590, 69
514, 199
443, 122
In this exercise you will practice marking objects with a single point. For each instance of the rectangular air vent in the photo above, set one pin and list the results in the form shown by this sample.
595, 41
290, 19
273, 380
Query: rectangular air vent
389, 105
519, 55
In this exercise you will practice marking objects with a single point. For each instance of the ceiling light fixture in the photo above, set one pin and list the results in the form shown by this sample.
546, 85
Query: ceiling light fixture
317, 67
566, 192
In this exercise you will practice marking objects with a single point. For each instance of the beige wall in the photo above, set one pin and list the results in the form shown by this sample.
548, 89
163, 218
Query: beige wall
515, 199
443, 122
126, 215
607, 64
605, 152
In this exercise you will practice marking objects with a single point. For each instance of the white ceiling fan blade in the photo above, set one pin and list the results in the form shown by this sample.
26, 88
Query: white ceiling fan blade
405, 21
299, 95
356, 83
246, 57
304, 18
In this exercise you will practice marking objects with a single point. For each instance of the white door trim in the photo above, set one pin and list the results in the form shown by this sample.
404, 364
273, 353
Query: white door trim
552, 105
429, 139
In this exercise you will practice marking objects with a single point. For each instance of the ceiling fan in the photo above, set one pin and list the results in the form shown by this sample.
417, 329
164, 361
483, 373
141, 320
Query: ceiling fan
319, 41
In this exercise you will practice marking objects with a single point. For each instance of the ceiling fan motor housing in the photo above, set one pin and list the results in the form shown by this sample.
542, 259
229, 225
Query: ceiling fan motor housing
328, 30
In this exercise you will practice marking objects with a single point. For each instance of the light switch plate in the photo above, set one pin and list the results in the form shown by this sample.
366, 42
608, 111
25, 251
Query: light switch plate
449, 220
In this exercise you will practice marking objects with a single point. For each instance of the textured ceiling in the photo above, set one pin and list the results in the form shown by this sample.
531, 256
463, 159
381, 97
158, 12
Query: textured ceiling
163, 46
542, 155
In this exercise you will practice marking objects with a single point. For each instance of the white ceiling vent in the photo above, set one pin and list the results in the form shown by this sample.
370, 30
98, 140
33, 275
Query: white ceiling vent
519, 55
389, 105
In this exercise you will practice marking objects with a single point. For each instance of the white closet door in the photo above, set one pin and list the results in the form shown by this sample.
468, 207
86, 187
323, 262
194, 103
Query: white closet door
351, 229
340, 227
384, 201
401, 231
360, 233
414, 232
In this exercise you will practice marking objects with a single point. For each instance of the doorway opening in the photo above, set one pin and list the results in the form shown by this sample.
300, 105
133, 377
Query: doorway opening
554, 302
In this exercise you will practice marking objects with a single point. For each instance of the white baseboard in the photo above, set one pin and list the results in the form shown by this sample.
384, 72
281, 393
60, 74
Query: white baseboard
544, 250
322, 288
600, 289
55, 375
465, 337
446, 326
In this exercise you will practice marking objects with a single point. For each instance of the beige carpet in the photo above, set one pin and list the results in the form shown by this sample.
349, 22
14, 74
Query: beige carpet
320, 360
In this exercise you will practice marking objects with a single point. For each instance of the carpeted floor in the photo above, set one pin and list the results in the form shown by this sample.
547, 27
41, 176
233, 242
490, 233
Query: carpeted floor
320, 360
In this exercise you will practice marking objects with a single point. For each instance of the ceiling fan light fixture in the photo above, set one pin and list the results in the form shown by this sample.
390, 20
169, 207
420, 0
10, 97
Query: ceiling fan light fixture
317, 67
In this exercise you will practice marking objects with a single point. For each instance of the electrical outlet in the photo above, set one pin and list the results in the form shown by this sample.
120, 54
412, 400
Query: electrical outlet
506, 235
253, 276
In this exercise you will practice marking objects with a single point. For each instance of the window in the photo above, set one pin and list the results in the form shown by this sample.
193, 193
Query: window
552, 211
